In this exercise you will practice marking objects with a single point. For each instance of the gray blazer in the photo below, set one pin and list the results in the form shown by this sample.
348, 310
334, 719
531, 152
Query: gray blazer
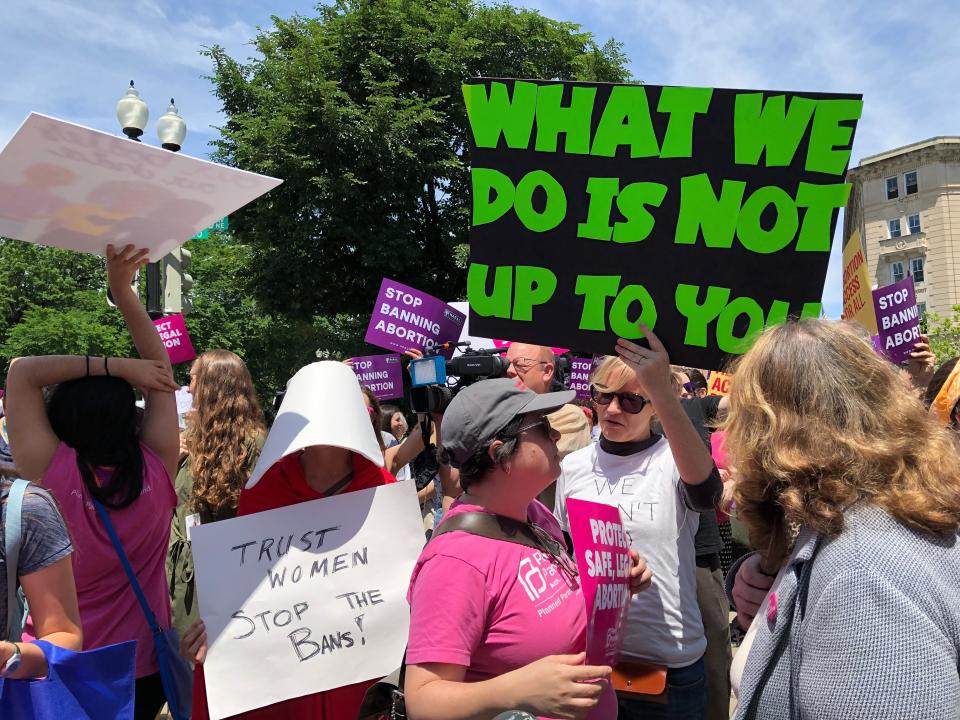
867, 627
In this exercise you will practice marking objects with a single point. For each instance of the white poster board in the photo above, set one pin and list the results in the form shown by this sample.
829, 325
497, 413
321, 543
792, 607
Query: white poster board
68, 186
330, 611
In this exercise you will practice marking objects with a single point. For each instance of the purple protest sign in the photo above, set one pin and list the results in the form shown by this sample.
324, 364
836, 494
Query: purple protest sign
580, 369
405, 318
176, 339
898, 319
602, 551
381, 373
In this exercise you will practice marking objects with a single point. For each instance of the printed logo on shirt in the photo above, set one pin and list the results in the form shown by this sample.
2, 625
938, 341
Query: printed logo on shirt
543, 585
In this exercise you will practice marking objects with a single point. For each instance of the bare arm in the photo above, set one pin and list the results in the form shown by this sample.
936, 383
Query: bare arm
426, 493
52, 597
399, 456
160, 432
558, 686
652, 367
32, 440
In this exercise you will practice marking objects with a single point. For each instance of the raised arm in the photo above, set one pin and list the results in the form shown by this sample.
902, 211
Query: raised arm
161, 432
32, 440
652, 366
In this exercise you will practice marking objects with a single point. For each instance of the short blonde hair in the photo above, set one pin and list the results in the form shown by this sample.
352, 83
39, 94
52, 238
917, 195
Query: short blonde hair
612, 374
818, 422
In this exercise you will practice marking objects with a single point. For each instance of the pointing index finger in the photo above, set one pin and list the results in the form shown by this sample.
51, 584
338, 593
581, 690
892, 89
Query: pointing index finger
654, 341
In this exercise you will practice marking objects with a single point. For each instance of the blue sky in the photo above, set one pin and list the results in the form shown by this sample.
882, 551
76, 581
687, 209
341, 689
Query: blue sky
73, 59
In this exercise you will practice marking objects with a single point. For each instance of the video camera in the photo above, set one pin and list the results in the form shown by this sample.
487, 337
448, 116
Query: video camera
432, 391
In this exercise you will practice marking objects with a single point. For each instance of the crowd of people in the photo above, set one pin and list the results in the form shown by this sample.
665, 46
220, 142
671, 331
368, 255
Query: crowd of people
818, 504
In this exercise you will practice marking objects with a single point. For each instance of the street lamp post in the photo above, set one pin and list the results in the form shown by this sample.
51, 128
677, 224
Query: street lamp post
132, 113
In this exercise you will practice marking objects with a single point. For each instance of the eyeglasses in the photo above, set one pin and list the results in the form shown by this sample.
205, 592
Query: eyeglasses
629, 402
524, 364
542, 424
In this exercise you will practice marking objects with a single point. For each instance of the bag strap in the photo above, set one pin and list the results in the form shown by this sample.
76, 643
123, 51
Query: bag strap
131, 576
495, 527
11, 535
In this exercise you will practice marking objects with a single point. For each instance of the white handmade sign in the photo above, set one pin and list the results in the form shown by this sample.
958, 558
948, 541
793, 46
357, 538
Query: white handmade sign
306, 598
72, 187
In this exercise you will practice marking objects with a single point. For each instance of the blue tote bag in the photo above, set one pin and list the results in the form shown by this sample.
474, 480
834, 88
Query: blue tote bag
87, 685
175, 674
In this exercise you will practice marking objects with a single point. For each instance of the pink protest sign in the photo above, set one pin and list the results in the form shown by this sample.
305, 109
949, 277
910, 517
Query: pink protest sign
176, 339
602, 551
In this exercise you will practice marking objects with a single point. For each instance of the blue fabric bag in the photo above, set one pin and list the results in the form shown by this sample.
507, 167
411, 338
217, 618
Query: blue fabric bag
89, 685
175, 674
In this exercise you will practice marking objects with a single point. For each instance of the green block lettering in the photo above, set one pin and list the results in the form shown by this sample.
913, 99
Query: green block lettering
758, 125
483, 181
702, 210
632, 202
778, 313
827, 135
821, 201
595, 290
534, 286
555, 209
572, 121
699, 316
751, 232
726, 340
626, 121
683, 104
500, 114
602, 191
811, 310
497, 303
620, 322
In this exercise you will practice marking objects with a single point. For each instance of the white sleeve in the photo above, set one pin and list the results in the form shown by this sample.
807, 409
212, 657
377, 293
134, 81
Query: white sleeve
560, 502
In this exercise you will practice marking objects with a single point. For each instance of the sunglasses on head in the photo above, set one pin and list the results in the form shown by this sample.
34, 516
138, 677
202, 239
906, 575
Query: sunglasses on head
629, 402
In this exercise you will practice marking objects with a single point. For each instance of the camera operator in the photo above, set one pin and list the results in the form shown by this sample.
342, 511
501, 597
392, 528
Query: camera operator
535, 366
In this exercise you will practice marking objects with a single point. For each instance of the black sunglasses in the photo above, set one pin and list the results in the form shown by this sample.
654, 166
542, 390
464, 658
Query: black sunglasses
629, 402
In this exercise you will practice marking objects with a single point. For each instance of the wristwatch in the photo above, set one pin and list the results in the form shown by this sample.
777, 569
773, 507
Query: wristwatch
13, 663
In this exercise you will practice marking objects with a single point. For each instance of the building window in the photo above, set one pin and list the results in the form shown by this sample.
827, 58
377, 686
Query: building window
892, 189
896, 271
916, 269
894, 227
913, 222
909, 183
922, 309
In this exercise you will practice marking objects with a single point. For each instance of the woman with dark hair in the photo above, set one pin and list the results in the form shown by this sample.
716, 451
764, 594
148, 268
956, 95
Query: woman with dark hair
87, 443
489, 633
225, 432
851, 493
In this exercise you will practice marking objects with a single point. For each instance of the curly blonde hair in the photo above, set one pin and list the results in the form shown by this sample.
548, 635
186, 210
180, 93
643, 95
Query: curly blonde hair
819, 421
226, 419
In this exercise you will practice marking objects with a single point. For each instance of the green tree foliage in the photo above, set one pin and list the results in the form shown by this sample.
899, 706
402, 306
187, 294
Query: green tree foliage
359, 110
944, 333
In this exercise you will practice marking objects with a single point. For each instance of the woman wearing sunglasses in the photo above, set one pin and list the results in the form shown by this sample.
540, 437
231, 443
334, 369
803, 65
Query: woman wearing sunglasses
660, 487
497, 616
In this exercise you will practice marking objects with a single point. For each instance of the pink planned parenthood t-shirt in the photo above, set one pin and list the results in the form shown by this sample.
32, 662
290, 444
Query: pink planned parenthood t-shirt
109, 611
494, 606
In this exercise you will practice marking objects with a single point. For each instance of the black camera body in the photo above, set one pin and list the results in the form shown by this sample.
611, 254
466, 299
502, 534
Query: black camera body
432, 392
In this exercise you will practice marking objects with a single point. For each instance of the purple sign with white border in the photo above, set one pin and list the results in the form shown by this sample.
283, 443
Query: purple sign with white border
406, 318
383, 374
898, 319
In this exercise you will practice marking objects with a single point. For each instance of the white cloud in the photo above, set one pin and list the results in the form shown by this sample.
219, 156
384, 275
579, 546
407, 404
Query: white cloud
74, 60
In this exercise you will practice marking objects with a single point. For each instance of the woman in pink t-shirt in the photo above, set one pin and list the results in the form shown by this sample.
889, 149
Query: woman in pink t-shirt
87, 442
497, 625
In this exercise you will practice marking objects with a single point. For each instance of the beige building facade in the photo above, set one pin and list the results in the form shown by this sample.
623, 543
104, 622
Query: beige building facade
906, 205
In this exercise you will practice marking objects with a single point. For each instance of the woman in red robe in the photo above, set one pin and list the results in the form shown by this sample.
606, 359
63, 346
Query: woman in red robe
321, 444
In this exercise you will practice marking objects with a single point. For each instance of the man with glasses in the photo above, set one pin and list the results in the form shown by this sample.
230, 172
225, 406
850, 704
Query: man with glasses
535, 366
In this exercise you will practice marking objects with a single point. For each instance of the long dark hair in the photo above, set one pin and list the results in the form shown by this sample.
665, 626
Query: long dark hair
98, 418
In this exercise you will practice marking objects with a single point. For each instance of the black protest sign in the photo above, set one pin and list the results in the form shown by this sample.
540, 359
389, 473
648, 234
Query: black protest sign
706, 214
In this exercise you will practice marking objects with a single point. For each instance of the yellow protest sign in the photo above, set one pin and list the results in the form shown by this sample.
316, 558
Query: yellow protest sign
718, 383
857, 300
